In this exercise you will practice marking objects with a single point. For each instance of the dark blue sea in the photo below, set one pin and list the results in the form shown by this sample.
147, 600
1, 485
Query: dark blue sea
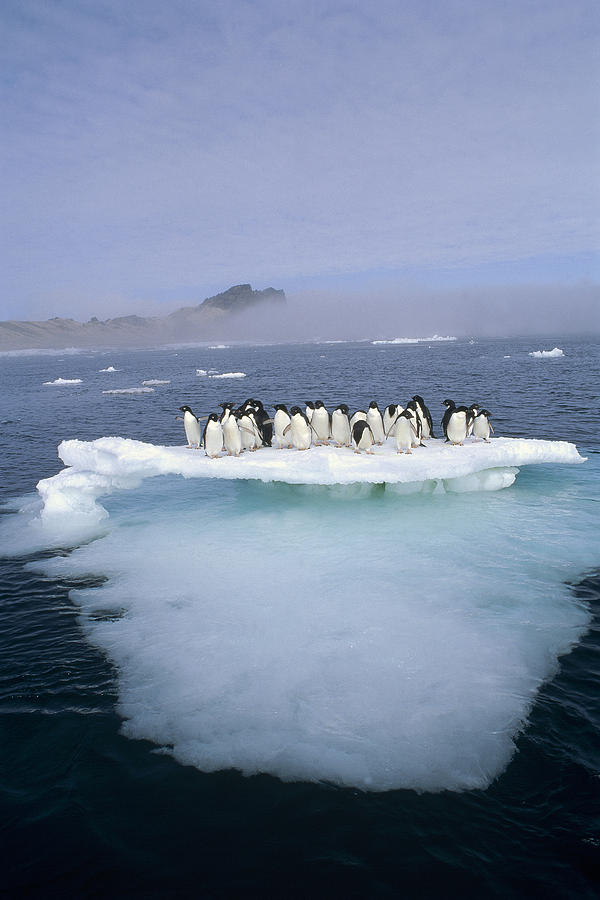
236, 689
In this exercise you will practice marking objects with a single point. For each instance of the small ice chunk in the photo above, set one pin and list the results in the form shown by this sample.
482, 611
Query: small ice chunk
65, 381
133, 390
109, 369
155, 381
229, 375
547, 354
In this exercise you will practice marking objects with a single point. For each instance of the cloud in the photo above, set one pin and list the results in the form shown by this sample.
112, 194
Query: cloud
155, 148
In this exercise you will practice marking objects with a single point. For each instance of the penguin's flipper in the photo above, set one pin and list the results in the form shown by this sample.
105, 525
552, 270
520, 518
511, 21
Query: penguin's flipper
247, 430
491, 427
286, 429
202, 418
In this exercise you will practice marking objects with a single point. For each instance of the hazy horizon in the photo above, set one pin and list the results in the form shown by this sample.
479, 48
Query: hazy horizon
437, 154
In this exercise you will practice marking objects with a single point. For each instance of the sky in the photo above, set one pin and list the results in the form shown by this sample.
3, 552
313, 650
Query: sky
158, 153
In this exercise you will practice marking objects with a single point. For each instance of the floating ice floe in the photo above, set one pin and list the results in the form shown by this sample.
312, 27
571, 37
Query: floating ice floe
152, 381
97, 468
133, 390
65, 381
547, 354
109, 369
219, 347
417, 340
229, 375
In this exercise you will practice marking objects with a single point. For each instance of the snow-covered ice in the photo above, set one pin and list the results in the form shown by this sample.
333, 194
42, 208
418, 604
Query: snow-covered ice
109, 369
153, 381
416, 340
547, 354
65, 381
229, 375
131, 390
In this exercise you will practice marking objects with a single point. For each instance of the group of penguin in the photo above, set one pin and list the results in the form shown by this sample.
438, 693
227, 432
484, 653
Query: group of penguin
249, 426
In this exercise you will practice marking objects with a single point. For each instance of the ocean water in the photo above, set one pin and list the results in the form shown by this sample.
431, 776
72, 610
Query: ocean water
245, 689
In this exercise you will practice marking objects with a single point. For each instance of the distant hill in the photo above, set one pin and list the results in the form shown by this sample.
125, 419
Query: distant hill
206, 321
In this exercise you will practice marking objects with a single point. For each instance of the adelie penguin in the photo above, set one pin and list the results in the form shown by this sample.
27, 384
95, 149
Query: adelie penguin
340, 426
281, 420
264, 423
362, 436
213, 436
320, 423
455, 423
232, 437
473, 409
390, 414
191, 425
404, 432
299, 428
411, 408
359, 416
482, 426
425, 415
375, 420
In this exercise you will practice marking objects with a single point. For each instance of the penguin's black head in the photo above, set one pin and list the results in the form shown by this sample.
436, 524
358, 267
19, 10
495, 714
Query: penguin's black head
419, 399
185, 409
411, 405
486, 413
449, 403
281, 406
405, 414
258, 404
391, 409
319, 404
373, 405
309, 403
213, 417
343, 407
474, 407
226, 405
295, 410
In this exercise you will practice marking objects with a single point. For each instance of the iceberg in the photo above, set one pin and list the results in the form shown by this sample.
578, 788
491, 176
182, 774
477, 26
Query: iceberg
65, 381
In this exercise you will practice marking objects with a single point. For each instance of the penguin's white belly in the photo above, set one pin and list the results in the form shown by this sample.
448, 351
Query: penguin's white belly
376, 425
425, 432
232, 437
457, 427
248, 433
340, 429
213, 439
280, 423
481, 427
301, 438
404, 434
192, 428
320, 423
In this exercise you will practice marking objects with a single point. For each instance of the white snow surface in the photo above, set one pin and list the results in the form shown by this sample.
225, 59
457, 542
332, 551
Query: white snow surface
416, 340
229, 375
65, 381
132, 390
547, 354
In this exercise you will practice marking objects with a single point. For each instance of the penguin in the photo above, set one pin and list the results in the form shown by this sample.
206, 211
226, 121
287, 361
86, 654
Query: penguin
281, 420
251, 439
473, 409
404, 432
340, 426
362, 436
390, 414
232, 437
411, 407
359, 416
299, 428
192, 427
375, 420
456, 423
482, 426
320, 423
425, 415
310, 408
213, 436
227, 410
264, 423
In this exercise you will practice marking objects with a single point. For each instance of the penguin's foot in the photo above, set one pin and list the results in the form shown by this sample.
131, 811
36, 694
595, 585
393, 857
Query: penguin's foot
409, 452
486, 440
370, 452
357, 451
